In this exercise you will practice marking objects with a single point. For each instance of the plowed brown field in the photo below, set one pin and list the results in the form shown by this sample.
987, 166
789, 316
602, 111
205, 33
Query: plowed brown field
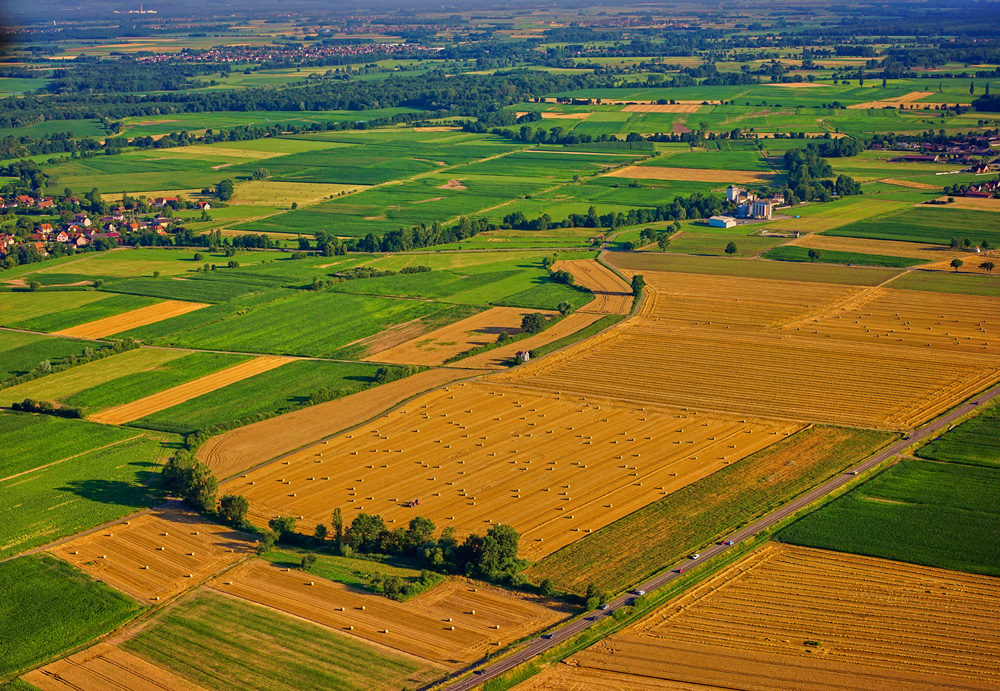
156, 555
453, 624
462, 336
611, 294
131, 320
106, 667
694, 174
913, 318
235, 451
128, 412
728, 362
499, 357
662, 108
889, 248
554, 467
875, 625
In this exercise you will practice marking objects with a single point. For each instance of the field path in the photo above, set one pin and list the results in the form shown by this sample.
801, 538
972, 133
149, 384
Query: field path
128, 412
131, 320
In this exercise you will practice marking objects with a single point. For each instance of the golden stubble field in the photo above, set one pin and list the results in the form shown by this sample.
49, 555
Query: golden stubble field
555, 467
131, 320
611, 294
694, 174
158, 554
104, 666
874, 624
499, 357
891, 248
453, 624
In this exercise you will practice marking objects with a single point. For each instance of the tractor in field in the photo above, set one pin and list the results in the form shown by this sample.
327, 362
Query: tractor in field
411, 504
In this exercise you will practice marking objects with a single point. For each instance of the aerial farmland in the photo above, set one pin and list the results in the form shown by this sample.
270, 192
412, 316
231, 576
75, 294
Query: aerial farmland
633, 347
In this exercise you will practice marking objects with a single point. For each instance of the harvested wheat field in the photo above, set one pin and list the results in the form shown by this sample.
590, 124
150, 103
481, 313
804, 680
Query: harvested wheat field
891, 248
896, 102
499, 357
452, 624
450, 341
549, 115
792, 617
128, 412
156, 555
761, 371
912, 184
662, 108
919, 319
611, 294
131, 320
970, 263
973, 203
245, 447
106, 667
555, 467
693, 174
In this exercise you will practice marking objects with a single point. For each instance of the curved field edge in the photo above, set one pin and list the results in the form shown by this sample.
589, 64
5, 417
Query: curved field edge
639, 545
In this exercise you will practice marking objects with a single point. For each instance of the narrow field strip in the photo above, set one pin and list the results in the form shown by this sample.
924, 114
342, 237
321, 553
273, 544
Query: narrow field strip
105, 666
128, 412
611, 294
693, 174
131, 320
499, 358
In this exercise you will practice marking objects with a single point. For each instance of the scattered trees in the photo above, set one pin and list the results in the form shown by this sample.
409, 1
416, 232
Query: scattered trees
638, 283
192, 480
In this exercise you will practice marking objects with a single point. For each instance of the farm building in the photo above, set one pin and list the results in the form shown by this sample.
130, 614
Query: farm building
722, 221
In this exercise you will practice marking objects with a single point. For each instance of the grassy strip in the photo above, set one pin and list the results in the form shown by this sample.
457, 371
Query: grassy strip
586, 332
975, 442
48, 608
636, 546
949, 282
791, 253
936, 514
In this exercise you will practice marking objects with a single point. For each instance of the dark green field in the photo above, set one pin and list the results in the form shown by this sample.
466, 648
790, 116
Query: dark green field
49, 607
64, 319
935, 514
976, 441
286, 654
926, 224
801, 254
21, 352
949, 282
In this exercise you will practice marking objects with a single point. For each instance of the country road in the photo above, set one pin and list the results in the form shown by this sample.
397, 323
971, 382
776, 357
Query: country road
537, 646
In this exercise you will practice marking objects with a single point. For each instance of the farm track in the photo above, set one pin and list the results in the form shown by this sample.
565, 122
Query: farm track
130, 320
120, 415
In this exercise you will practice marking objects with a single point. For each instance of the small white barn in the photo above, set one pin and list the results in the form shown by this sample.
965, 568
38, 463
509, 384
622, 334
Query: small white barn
722, 221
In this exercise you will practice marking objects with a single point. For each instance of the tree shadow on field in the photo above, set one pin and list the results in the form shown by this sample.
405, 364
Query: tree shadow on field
125, 494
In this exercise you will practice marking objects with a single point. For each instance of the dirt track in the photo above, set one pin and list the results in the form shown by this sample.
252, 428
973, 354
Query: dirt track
128, 412
131, 320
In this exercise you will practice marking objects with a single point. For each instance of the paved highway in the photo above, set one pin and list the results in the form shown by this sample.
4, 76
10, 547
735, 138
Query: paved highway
539, 645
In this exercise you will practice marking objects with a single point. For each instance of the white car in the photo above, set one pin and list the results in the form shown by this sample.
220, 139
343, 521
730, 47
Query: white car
696, 556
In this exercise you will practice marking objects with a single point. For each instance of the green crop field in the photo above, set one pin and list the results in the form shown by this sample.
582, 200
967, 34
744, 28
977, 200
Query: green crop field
431, 284
684, 521
49, 607
936, 514
347, 570
181, 367
718, 266
548, 295
698, 240
79, 492
950, 282
792, 253
64, 319
927, 224
262, 394
214, 286
288, 653
975, 442
18, 308
22, 352
715, 160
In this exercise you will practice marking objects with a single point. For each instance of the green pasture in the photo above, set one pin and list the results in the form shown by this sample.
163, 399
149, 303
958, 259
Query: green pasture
713, 160
974, 442
195, 122
22, 352
935, 514
927, 224
87, 312
792, 253
949, 282
16, 308
703, 241
49, 607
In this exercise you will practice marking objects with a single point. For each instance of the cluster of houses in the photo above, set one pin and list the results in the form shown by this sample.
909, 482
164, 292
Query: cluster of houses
968, 150
983, 190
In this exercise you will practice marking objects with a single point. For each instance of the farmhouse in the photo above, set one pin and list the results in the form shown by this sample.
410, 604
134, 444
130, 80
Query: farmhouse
748, 205
722, 221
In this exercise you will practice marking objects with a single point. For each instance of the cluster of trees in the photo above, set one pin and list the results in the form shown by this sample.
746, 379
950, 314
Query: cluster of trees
30, 405
804, 167
420, 236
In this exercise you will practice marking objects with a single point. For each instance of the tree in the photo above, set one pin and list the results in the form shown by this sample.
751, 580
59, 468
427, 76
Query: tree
564, 308
498, 552
663, 242
34, 286
266, 543
972, 88
321, 532
337, 521
308, 562
814, 255
421, 531
224, 190
533, 322
364, 532
233, 509
191, 480
956, 264
547, 587
261, 174
987, 267
283, 526
638, 283
731, 248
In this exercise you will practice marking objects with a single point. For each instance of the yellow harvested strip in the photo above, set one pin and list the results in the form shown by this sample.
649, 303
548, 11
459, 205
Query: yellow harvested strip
498, 358
611, 294
131, 320
452, 624
156, 555
437, 346
662, 108
128, 412
556, 467
235, 451
895, 102
911, 184
975, 204
106, 667
694, 174
890, 248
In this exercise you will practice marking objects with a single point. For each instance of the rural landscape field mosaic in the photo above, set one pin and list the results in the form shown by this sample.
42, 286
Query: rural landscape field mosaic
569, 347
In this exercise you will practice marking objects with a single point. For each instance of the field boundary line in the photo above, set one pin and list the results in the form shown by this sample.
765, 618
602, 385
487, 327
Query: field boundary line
70, 458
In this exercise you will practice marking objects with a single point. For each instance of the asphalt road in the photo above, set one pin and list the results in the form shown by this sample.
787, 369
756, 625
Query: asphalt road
537, 646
